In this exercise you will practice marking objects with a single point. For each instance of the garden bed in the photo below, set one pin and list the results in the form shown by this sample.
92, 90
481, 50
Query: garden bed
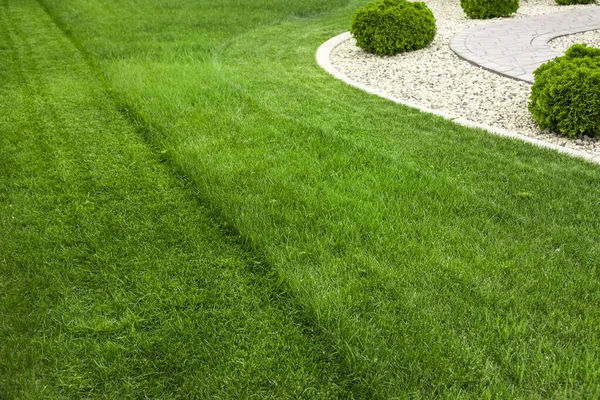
438, 79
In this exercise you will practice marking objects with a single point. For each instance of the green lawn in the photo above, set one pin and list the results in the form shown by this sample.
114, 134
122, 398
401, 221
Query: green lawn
191, 207
114, 281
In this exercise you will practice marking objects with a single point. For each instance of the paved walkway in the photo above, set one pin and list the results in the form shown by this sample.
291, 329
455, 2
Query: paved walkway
516, 48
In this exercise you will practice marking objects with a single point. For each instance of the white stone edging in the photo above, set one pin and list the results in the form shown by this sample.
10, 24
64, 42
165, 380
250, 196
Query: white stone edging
323, 59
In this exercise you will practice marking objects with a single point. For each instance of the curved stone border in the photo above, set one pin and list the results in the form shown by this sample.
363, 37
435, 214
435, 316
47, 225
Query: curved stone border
518, 47
323, 59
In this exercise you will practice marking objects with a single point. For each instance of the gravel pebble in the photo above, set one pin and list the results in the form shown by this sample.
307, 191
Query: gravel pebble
438, 79
591, 38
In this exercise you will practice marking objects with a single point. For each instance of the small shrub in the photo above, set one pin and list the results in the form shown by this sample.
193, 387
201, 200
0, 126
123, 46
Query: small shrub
388, 27
484, 9
568, 2
565, 95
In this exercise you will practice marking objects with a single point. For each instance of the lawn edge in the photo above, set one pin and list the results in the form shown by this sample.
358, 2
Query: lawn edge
323, 60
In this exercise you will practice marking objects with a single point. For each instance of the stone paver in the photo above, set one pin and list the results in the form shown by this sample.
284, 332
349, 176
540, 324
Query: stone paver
517, 47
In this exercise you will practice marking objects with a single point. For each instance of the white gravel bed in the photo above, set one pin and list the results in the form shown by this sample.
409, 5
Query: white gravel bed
591, 38
438, 79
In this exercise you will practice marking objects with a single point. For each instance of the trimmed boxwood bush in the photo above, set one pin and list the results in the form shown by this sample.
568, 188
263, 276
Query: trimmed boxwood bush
568, 2
388, 27
565, 95
484, 9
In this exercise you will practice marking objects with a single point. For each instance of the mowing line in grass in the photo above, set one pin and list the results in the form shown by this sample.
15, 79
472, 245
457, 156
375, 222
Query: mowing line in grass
440, 261
113, 281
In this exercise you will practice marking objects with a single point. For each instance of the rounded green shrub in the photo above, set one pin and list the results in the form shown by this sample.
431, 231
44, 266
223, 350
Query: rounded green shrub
388, 27
565, 95
484, 9
568, 2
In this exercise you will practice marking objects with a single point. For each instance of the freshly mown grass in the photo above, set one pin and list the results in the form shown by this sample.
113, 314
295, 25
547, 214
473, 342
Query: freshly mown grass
433, 260
113, 281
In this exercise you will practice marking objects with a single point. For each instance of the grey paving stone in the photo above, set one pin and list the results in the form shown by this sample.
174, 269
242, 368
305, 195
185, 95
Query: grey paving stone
516, 48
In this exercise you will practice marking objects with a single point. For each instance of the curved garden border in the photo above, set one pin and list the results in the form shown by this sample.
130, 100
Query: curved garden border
323, 59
